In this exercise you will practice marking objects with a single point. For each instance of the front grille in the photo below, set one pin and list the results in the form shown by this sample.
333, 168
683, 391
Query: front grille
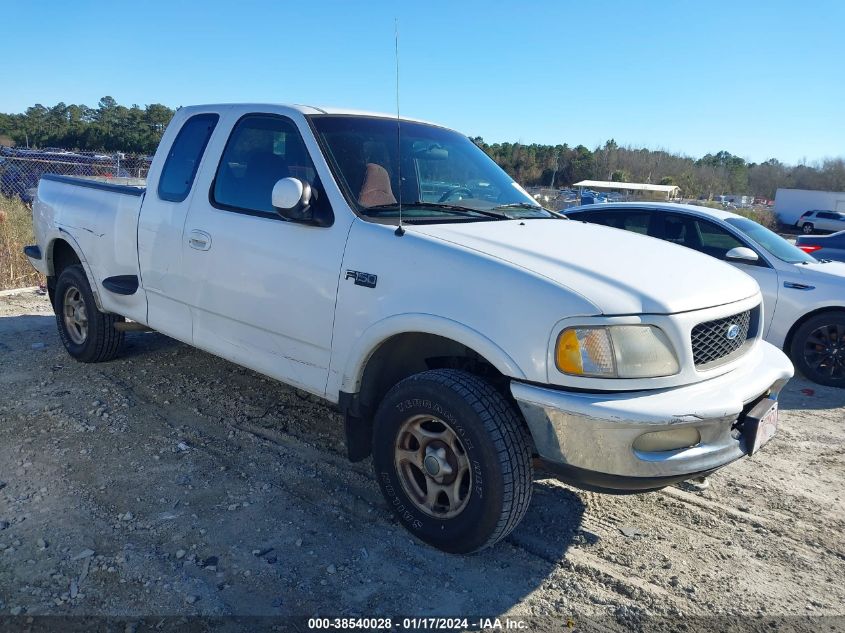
710, 342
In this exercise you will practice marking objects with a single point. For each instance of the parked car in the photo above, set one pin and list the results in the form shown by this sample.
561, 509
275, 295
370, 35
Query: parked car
21, 169
804, 298
823, 246
811, 221
457, 337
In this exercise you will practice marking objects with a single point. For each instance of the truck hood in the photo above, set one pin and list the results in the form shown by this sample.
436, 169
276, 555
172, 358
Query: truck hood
617, 271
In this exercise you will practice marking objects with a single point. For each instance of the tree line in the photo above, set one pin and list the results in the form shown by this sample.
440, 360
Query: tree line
137, 130
109, 127
714, 174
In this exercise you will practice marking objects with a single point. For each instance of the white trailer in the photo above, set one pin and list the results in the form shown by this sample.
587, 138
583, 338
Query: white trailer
791, 203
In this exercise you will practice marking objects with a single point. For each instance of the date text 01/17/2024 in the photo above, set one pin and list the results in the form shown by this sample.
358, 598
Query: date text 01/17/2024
432, 623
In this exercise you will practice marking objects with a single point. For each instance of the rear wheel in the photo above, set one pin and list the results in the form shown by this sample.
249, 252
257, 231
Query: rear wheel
453, 460
818, 349
807, 228
87, 334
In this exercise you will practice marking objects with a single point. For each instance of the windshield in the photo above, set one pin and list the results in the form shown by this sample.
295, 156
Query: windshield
445, 176
772, 242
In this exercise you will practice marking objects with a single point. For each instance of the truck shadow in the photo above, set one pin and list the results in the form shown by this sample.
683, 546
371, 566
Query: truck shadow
141, 344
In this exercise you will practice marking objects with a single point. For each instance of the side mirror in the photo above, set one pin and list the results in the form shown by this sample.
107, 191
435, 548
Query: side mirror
292, 199
742, 254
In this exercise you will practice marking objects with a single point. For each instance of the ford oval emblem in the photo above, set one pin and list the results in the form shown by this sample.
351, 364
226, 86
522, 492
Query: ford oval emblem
733, 331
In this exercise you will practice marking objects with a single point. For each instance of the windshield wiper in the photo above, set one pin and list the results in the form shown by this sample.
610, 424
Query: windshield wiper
452, 208
528, 205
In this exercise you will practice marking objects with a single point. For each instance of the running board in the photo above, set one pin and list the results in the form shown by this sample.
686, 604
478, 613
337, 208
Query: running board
121, 284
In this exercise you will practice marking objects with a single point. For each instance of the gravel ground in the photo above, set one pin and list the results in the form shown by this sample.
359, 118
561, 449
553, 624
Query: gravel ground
171, 482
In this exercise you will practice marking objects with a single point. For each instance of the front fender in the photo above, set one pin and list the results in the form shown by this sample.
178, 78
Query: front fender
379, 332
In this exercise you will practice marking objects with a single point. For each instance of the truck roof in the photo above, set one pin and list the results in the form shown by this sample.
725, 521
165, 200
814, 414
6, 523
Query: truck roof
302, 109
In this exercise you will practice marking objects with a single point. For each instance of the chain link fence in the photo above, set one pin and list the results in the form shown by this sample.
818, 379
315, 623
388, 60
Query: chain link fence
21, 169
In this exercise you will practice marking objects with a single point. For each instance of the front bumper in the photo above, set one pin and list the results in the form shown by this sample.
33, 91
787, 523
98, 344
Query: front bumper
588, 438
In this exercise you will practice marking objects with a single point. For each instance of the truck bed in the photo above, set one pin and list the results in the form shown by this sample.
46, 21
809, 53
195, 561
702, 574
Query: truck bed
100, 221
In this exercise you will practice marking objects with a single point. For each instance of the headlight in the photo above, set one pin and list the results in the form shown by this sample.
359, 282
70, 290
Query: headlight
615, 351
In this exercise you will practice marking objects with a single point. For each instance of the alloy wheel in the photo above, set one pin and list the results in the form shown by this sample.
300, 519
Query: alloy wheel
824, 350
75, 315
433, 466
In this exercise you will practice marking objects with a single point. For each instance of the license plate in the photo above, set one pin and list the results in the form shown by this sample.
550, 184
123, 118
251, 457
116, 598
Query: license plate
760, 425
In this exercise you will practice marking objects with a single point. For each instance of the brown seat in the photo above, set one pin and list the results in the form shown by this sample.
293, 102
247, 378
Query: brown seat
376, 189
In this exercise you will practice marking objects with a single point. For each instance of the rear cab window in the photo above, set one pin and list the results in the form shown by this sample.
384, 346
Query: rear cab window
180, 168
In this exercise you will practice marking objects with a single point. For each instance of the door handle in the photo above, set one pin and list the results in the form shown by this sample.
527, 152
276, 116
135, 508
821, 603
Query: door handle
797, 286
200, 240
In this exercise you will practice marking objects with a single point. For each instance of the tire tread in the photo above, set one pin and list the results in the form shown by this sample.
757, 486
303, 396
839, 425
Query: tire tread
107, 340
510, 437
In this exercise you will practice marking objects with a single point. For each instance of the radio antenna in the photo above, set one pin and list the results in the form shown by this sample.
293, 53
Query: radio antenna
400, 231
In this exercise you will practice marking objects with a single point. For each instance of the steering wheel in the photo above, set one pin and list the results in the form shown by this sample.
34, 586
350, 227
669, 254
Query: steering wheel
455, 190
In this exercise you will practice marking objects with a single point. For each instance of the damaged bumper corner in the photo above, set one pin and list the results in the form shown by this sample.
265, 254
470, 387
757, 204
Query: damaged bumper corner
623, 442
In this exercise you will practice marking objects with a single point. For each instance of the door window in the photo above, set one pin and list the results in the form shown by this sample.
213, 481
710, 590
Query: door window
634, 221
716, 241
700, 235
261, 150
184, 157
678, 230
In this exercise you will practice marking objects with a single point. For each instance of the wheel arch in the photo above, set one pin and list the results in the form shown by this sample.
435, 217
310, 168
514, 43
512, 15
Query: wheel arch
64, 251
399, 347
787, 342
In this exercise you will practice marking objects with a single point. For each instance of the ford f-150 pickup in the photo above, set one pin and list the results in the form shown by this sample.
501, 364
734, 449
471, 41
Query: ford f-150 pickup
392, 268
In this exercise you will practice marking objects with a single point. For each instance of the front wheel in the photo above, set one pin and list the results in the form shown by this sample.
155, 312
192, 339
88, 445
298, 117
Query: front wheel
453, 460
807, 228
818, 349
87, 334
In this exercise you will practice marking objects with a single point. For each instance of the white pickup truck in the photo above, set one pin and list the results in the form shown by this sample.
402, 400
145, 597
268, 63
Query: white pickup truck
392, 268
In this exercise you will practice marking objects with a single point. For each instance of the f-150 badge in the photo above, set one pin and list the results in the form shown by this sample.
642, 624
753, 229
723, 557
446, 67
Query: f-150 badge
368, 280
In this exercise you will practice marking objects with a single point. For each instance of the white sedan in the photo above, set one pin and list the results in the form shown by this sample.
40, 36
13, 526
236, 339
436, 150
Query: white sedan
804, 298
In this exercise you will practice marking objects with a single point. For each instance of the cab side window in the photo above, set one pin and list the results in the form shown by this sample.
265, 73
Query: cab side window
261, 150
180, 168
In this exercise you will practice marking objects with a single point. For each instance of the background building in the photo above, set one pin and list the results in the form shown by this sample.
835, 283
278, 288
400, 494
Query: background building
670, 192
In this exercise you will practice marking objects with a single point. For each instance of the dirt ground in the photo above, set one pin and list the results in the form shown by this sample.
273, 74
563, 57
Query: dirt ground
171, 482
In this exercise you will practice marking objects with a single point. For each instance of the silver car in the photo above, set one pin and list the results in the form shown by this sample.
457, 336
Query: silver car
804, 298
812, 221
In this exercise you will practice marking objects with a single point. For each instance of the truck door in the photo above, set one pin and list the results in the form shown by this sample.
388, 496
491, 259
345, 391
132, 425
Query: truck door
264, 287
162, 220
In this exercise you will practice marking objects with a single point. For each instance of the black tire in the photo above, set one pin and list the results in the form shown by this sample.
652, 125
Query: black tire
494, 447
818, 349
807, 228
100, 341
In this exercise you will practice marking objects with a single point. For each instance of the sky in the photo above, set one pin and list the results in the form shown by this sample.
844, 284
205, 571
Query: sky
760, 79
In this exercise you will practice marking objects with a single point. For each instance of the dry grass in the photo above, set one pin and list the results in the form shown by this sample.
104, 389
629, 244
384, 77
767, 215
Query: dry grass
15, 233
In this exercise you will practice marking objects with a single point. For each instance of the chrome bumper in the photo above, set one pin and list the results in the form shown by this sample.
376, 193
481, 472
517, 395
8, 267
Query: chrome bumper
589, 437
